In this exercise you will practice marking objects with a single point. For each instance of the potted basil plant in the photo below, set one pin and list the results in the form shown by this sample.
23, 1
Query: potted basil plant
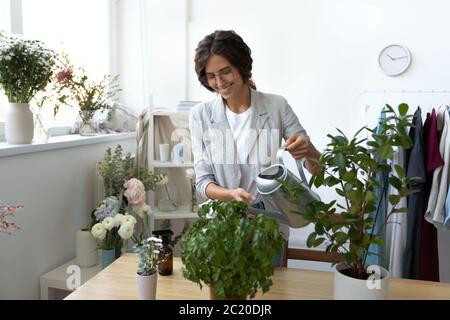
229, 252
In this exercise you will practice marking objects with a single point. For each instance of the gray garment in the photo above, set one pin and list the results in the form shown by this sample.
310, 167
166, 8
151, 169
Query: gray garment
213, 146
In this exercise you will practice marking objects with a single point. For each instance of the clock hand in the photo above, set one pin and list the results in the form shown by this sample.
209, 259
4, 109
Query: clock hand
401, 57
393, 59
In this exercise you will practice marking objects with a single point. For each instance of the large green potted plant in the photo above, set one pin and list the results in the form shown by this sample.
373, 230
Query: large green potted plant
229, 252
353, 167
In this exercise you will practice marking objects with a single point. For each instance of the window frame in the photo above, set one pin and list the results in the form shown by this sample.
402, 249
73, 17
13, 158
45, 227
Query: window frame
16, 26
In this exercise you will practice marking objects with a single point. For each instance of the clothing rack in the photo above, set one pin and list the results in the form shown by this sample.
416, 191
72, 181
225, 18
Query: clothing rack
442, 95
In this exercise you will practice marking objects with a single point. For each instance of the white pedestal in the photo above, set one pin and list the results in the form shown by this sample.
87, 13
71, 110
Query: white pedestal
57, 278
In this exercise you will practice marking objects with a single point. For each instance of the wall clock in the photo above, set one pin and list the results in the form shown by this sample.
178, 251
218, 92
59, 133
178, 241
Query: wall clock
394, 59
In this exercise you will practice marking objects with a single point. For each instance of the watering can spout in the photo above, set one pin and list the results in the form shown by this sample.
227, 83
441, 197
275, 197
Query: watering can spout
277, 199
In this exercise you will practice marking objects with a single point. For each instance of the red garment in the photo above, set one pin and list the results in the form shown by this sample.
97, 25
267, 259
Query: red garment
429, 256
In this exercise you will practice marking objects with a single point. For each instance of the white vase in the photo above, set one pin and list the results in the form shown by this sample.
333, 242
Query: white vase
147, 286
86, 250
348, 288
19, 124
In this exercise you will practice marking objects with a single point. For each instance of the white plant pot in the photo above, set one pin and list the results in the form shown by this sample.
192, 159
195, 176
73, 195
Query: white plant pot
348, 288
86, 250
147, 286
19, 125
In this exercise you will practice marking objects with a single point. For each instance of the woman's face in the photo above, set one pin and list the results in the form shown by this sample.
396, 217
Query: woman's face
223, 77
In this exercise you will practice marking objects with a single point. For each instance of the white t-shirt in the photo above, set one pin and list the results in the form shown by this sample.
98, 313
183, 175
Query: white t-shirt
240, 124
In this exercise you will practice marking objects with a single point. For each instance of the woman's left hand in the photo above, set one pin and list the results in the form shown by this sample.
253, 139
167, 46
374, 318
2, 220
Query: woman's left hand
299, 146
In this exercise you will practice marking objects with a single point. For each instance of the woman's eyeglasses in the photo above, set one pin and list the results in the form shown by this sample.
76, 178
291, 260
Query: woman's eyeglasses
225, 75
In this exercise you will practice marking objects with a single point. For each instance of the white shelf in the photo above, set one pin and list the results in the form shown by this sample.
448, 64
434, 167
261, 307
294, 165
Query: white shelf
57, 278
170, 164
178, 214
170, 113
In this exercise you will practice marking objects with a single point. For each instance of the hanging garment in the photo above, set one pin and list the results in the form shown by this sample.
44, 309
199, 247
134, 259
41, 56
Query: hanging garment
377, 253
447, 211
439, 188
416, 169
396, 227
429, 257
447, 208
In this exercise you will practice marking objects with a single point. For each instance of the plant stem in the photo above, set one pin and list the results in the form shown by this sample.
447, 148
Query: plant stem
167, 191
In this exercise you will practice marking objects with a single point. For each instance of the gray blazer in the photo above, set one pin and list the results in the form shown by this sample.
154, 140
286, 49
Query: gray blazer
214, 150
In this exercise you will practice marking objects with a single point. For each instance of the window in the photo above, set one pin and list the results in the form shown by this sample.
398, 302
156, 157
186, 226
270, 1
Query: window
5, 25
79, 27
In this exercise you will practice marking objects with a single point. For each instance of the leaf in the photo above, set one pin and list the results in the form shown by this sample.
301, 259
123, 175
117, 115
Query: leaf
396, 182
400, 171
318, 242
311, 239
403, 109
339, 160
394, 199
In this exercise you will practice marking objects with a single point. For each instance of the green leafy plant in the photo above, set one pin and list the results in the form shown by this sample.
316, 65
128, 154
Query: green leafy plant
26, 67
116, 167
353, 167
230, 252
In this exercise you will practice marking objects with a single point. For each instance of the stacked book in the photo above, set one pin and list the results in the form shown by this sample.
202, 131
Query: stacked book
186, 106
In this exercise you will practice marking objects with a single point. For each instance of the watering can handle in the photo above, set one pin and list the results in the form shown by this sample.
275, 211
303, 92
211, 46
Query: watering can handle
299, 162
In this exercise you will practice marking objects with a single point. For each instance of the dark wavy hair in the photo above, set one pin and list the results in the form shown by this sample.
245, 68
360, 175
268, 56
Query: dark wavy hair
230, 45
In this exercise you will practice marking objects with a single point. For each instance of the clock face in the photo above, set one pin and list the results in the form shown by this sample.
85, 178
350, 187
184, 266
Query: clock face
394, 60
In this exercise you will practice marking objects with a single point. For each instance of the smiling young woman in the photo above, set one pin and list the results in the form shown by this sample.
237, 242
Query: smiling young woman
236, 135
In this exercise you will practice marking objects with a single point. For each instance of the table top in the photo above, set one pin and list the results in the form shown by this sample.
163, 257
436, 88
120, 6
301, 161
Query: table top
118, 282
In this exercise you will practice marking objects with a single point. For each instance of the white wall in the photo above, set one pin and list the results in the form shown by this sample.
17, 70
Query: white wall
57, 189
151, 52
320, 54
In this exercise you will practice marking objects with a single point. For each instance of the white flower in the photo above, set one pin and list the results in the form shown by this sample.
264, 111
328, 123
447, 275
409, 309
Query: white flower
164, 181
109, 223
99, 231
128, 219
142, 210
118, 219
126, 230
190, 173
154, 239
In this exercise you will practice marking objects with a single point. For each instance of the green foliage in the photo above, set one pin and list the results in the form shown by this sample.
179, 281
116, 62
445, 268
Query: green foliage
233, 253
116, 167
149, 256
350, 167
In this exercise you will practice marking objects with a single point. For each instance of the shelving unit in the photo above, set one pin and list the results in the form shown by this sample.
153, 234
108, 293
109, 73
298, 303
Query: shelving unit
184, 211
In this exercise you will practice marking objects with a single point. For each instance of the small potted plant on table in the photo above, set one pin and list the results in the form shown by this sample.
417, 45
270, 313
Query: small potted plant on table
229, 252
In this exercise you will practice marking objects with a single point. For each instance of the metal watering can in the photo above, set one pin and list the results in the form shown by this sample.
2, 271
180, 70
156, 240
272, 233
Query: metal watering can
276, 196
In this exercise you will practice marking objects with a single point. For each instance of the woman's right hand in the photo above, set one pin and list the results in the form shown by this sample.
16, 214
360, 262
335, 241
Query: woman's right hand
240, 194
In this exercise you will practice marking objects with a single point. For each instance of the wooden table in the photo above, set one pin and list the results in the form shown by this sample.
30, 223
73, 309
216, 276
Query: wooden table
118, 282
